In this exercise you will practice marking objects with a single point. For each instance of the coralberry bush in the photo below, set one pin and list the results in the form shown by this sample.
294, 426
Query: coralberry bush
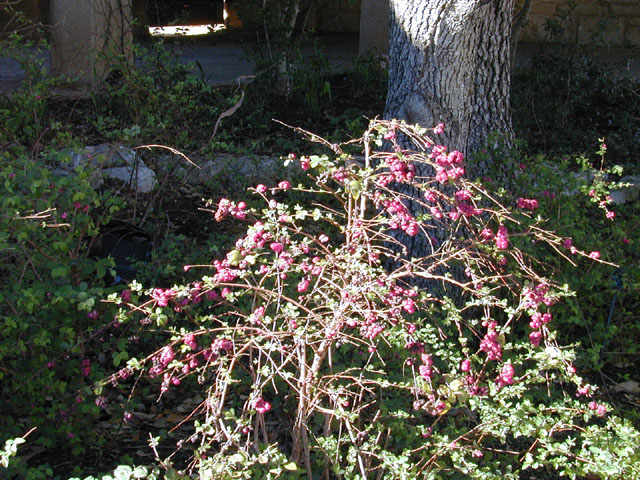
321, 347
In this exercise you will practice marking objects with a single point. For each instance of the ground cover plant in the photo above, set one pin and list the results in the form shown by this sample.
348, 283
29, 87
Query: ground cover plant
307, 343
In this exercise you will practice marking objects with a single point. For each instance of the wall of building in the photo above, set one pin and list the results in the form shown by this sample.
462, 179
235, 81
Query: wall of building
614, 23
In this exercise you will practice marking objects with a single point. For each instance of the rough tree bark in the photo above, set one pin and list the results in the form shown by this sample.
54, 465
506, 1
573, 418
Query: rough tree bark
450, 62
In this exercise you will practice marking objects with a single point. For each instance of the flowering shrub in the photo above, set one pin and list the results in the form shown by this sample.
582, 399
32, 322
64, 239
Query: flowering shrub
575, 196
311, 358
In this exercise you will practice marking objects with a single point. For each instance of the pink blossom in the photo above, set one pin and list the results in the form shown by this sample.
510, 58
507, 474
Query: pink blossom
161, 296
277, 247
486, 234
441, 175
435, 211
489, 343
595, 255
221, 344
610, 215
260, 188
408, 305
305, 164
166, 356
438, 129
535, 338
506, 375
430, 196
584, 390
463, 195
528, 203
502, 238
467, 209
190, 341
465, 366
426, 370
598, 408
323, 238
284, 185
303, 285
261, 405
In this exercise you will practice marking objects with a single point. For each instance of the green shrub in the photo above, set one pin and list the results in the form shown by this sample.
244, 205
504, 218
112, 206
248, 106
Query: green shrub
56, 336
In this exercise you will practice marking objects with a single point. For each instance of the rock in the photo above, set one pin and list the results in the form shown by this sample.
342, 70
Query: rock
629, 193
142, 177
108, 161
235, 173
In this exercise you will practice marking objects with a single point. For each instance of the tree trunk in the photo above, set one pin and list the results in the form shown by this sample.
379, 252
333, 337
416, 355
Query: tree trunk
450, 62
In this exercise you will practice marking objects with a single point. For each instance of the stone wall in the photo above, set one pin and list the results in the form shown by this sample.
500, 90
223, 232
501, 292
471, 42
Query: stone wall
613, 23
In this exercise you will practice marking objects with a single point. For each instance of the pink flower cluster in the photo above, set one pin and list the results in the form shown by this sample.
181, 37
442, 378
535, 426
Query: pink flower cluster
536, 323
256, 237
162, 297
340, 175
224, 272
528, 203
371, 328
261, 405
221, 344
190, 341
489, 344
533, 299
426, 369
506, 375
502, 238
448, 164
303, 285
430, 196
85, 369
400, 217
227, 207
400, 171
598, 408
312, 267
